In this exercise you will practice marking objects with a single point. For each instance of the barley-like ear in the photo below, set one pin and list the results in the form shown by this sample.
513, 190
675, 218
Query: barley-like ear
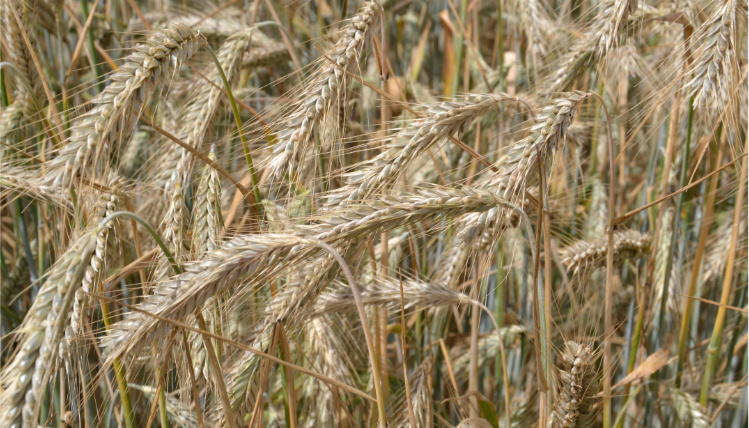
25, 377
716, 59
421, 398
441, 121
112, 118
328, 354
688, 410
108, 202
574, 403
518, 168
662, 254
325, 90
584, 255
239, 259
17, 51
207, 223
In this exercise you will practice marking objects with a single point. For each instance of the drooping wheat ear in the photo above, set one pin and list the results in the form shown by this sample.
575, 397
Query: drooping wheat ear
204, 104
207, 222
207, 225
14, 179
441, 121
421, 398
25, 377
518, 169
662, 255
387, 293
587, 254
488, 351
240, 259
689, 412
716, 58
112, 118
17, 51
390, 211
574, 402
329, 356
108, 202
325, 89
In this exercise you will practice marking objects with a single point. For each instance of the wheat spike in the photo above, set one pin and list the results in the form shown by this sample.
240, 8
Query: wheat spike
325, 89
441, 121
587, 254
26, 376
111, 119
574, 404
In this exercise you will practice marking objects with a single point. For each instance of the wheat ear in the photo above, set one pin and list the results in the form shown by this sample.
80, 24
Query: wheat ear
574, 404
716, 58
588, 254
25, 377
326, 88
111, 119
441, 121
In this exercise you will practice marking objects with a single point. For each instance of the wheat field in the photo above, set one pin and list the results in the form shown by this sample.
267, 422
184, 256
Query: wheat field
339, 213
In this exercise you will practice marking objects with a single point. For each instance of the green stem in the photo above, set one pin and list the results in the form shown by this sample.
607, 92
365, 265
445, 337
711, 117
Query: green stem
677, 218
3, 91
717, 336
175, 267
238, 121
702, 241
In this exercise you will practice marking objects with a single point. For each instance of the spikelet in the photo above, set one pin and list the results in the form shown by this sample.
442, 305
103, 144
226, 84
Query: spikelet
584, 255
574, 403
25, 377
325, 90
94, 132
